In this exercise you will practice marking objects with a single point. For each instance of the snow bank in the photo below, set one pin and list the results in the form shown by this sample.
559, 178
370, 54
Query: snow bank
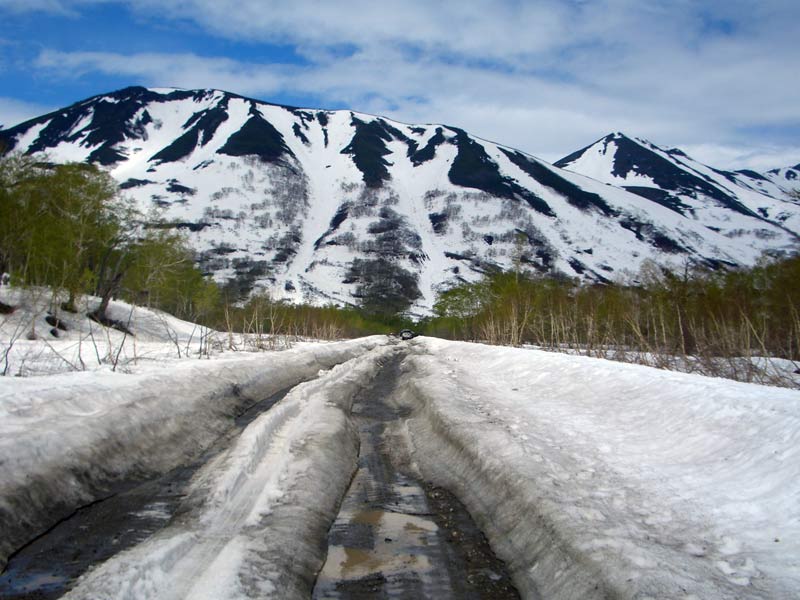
63, 438
262, 508
766, 370
594, 479
39, 339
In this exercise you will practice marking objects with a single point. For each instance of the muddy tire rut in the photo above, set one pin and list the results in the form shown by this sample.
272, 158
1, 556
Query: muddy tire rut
397, 536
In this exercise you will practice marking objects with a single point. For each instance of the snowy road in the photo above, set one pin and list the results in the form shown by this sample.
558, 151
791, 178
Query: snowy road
131, 513
253, 517
249, 517
590, 479
65, 440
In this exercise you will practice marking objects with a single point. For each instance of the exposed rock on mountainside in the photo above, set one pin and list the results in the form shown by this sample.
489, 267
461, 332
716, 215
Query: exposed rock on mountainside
340, 206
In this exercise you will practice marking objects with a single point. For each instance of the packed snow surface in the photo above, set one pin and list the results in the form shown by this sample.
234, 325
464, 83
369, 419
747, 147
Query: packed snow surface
63, 437
263, 505
594, 478
591, 478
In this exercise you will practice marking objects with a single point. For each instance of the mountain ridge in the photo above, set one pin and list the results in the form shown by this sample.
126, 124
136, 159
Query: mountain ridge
319, 205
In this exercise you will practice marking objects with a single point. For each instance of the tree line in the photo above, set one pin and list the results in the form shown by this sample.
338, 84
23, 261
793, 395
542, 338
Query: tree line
66, 227
714, 321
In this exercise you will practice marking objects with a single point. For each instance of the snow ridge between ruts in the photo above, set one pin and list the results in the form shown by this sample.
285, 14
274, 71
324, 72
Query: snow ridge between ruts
262, 509
454, 449
63, 444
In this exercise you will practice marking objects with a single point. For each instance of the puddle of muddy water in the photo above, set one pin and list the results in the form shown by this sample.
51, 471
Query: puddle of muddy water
396, 537
398, 543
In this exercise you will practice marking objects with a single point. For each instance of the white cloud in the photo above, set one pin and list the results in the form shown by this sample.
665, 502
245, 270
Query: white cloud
477, 28
546, 76
758, 158
47, 6
166, 70
14, 111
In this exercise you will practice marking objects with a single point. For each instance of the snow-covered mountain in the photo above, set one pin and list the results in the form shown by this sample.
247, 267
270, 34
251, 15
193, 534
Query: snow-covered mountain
317, 205
671, 178
787, 179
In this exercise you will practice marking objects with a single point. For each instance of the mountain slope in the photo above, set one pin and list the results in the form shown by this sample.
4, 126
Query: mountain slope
333, 205
688, 187
787, 179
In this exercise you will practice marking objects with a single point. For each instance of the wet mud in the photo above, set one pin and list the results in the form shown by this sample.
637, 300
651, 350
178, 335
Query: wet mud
398, 537
48, 566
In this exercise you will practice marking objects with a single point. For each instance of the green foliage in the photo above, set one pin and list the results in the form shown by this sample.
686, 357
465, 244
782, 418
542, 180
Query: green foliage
161, 273
65, 226
264, 316
696, 312
57, 222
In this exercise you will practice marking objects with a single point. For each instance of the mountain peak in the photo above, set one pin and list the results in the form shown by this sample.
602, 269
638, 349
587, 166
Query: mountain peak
320, 206
618, 135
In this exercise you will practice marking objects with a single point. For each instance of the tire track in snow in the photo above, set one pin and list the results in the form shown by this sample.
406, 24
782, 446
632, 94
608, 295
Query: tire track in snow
67, 440
398, 537
229, 543
50, 564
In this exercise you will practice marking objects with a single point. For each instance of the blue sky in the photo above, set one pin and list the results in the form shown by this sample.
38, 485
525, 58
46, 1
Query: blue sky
718, 79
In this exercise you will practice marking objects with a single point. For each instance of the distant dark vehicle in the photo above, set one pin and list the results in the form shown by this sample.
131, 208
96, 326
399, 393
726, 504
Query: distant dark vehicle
406, 334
